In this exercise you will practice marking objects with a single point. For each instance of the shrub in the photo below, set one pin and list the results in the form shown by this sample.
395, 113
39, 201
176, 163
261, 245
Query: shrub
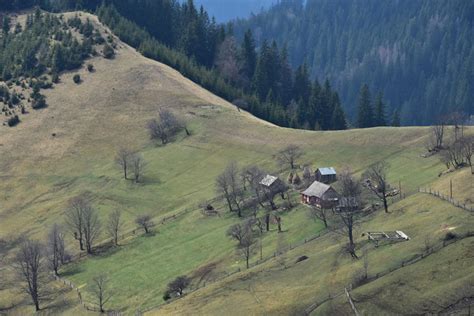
55, 78
108, 52
450, 236
76, 79
166, 296
13, 121
90, 67
39, 103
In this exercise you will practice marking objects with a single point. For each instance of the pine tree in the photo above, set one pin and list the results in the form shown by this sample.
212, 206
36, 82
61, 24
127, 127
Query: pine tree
302, 84
248, 55
365, 116
380, 119
327, 105
286, 78
396, 118
338, 121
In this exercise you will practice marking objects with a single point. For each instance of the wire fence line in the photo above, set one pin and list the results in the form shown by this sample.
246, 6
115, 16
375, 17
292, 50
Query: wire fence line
227, 274
404, 263
88, 306
446, 198
84, 304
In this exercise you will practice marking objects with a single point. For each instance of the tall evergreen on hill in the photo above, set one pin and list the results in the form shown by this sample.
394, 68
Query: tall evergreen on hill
185, 38
380, 119
396, 118
248, 55
365, 116
338, 120
419, 53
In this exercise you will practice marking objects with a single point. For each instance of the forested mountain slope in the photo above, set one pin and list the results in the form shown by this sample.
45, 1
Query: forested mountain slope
420, 54
225, 10
69, 149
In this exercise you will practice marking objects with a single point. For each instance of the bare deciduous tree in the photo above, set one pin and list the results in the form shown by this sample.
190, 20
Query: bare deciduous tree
437, 136
100, 289
227, 61
145, 222
137, 164
90, 228
319, 213
251, 177
74, 217
114, 225
351, 191
165, 127
29, 265
289, 155
246, 245
236, 232
123, 160
366, 263
454, 153
377, 181
468, 149
55, 248
229, 186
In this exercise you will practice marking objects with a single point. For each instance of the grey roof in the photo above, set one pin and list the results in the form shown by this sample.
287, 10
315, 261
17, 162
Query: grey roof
316, 189
268, 180
327, 171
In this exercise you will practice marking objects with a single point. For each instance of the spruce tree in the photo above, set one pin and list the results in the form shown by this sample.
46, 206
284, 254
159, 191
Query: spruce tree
338, 121
286, 78
380, 119
248, 55
302, 84
365, 117
396, 118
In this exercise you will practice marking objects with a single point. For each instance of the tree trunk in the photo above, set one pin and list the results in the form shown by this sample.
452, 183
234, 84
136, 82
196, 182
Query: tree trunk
229, 204
325, 221
279, 224
125, 171
385, 205
267, 222
272, 205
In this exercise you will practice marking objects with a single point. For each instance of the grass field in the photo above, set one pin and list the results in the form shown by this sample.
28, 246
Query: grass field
39, 173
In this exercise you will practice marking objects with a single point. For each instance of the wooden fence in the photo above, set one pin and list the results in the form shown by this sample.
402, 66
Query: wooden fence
447, 199
404, 263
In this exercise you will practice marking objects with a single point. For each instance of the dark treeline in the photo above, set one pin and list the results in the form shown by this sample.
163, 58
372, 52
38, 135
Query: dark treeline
186, 38
420, 54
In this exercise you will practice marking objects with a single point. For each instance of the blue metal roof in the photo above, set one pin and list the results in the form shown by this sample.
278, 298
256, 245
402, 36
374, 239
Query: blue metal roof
327, 171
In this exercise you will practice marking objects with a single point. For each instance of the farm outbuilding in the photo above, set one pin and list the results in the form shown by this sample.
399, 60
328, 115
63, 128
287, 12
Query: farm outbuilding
273, 185
326, 175
320, 195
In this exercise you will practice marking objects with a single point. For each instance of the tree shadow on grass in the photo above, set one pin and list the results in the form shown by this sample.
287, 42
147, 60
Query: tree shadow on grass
72, 270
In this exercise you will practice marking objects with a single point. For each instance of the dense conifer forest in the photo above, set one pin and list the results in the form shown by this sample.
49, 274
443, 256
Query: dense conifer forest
186, 38
35, 52
419, 54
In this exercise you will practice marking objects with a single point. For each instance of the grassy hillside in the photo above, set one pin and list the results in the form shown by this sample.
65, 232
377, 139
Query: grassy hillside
110, 108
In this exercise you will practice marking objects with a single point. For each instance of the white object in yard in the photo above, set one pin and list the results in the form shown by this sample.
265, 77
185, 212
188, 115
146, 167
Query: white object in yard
402, 235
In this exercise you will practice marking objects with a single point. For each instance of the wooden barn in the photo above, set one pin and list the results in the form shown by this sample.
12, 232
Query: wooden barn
320, 195
270, 181
326, 175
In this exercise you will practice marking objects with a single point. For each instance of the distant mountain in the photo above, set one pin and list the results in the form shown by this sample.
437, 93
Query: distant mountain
420, 54
225, 10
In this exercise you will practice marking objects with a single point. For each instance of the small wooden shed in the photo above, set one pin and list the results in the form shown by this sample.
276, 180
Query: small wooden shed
320, 195
326, 175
